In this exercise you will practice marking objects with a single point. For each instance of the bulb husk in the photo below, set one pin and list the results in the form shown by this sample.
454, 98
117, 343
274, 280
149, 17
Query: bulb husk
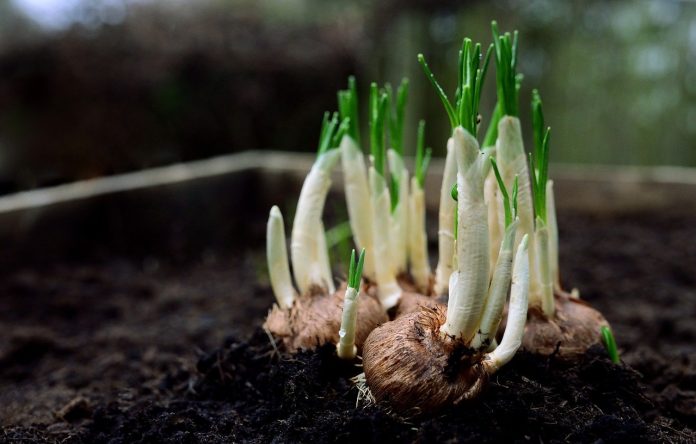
314, 319
410, 365
568, 334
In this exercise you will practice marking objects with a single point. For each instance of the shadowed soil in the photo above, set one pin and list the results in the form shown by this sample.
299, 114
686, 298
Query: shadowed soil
149, 351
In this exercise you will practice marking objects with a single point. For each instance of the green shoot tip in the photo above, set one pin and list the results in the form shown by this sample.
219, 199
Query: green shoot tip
539, 157
330, 133
439, 91
355, 270
507, 80
610, 344
470, 76
348, 108
423, 155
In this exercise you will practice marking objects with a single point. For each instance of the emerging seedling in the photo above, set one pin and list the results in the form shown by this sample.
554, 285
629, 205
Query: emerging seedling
464, 113
311, 316
386, 206
346, 348
509, 148
610, 344
539, 161
497, 236
435, 356
558, 323
308, 245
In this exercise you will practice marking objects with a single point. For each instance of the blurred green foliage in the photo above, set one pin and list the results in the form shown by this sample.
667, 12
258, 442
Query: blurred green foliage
173, 80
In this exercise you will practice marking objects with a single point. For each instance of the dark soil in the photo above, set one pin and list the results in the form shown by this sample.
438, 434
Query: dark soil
146, 351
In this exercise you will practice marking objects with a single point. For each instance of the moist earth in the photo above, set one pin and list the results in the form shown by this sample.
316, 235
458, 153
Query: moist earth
146, 350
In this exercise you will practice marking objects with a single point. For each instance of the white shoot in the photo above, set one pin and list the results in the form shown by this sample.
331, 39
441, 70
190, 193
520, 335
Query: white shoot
418, 240
305, 247
495, 212
399, 231
277, 257
500, 284
445, 235
346, 348
388, 289
512, 162
324, 262
358, 200
517, 310
553, 235
467, 298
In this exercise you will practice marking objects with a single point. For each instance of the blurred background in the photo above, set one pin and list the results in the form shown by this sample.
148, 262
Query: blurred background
97, 87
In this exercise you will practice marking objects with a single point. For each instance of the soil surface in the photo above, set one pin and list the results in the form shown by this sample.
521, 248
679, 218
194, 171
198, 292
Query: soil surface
148, 351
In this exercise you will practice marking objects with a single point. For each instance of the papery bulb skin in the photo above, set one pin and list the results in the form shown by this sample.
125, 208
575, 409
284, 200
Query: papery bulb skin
314, 319
574, 328
410, 365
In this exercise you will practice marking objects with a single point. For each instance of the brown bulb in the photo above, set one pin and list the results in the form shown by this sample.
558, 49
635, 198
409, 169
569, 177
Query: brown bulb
315, 318
573, 329
409, 365
411, 303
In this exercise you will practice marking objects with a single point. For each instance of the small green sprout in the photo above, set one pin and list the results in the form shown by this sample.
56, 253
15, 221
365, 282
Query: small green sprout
509, 205
470, 78
348, 109
355, 269
396, 115
331, 132
507, 80
378, 111
464, 114
610, 344
539, 158
423, 155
